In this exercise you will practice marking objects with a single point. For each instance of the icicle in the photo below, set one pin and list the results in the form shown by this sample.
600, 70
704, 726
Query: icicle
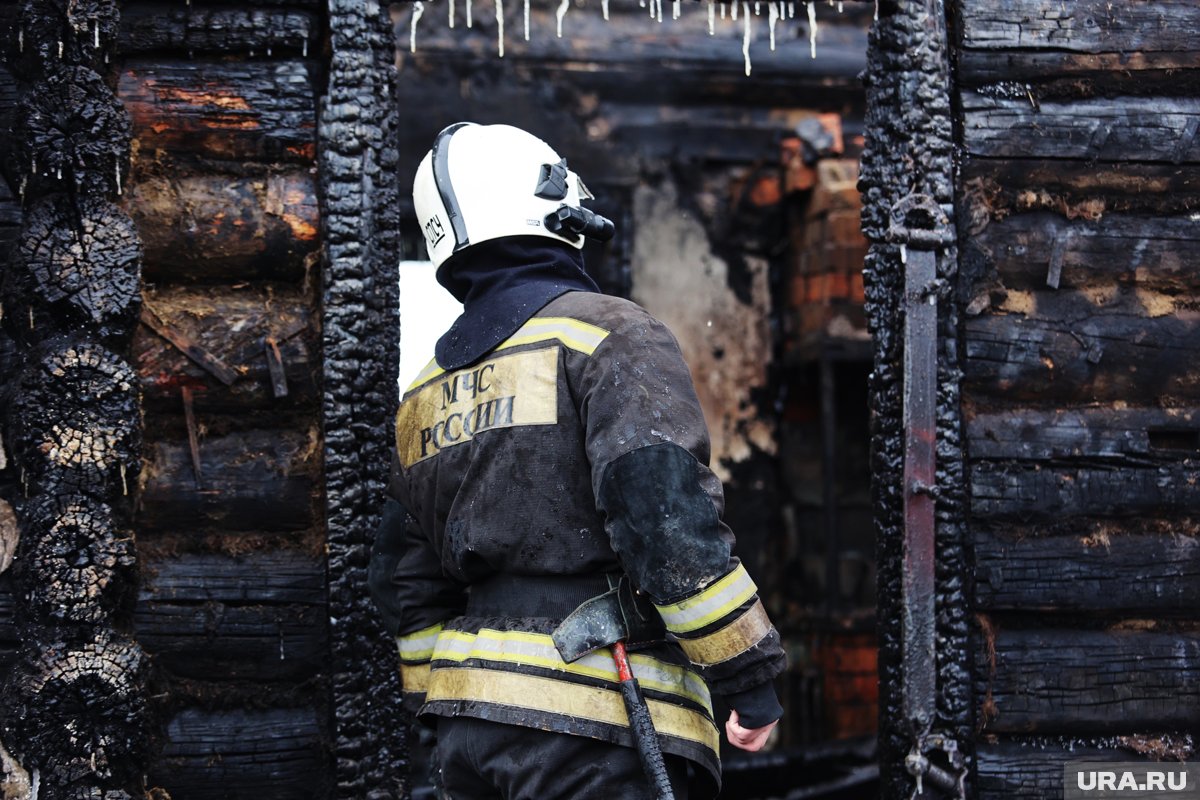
675, 9
527, 20
124, 485
21, 39
791, 9
712, 17
733, 10
268, 51
60, 48
58, 174
757, 3
418, 10
450, 6
500, 26
31, 318
641, 3
722, 11
660, 10
746, 36
877, 10
604, 7
772, 17
33, 164
841, 7
24, 180
560, 13
96, 34
812, 29
304, 49
903, 254
469, 13
653, 4
118, 177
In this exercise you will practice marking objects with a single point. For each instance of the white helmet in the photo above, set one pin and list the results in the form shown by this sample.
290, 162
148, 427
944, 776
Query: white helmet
483, 182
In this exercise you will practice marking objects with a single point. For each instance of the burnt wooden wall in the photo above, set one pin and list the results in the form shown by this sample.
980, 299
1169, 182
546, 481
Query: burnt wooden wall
1078, 278
224, 190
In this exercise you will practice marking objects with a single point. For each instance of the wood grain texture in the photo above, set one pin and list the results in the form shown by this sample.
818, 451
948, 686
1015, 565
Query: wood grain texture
244, 755
1091, 573
261, 480
263, 111
232, 324
1125, 129
257, 618
1091, 682
1086, 26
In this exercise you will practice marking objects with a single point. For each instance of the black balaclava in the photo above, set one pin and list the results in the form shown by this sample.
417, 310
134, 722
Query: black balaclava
501, 284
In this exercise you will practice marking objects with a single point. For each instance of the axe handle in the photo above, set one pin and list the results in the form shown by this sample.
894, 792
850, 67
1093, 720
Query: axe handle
644, 735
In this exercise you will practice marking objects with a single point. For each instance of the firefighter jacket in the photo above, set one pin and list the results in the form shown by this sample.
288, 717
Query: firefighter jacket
575, 450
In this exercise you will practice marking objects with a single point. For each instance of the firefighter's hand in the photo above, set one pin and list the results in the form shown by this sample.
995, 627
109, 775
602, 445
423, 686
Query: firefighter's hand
751, 739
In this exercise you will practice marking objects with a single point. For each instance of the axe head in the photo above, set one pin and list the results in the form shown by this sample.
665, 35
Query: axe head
596, 623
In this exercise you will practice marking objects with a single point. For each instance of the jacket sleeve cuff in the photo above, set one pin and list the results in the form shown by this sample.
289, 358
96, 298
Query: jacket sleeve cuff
756, 707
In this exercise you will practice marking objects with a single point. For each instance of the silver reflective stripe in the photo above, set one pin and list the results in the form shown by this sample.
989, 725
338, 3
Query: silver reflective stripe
707, 606
538, 650
418, 646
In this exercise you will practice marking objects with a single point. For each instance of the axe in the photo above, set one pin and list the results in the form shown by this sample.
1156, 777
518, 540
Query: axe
611, 619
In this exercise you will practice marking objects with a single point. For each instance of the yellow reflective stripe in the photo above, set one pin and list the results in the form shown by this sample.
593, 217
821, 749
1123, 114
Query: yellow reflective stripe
571, 332
538, 650
431, 371
414, 677
554, 696
418, 646
709, 605
732, 640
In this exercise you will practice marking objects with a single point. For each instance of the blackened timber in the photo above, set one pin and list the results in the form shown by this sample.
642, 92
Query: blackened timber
1057, 73
1102, 569
1130, 436
1126, 129
149, 27
237, 110
1149, 251
1058, 681
230, 324
1009, 769
243, 755
1020, 490
221, 227
1011, 357
1086, 26
258, 617
1082, 188
256, 480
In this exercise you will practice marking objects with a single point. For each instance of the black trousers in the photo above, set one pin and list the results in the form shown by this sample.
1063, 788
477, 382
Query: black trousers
483, 760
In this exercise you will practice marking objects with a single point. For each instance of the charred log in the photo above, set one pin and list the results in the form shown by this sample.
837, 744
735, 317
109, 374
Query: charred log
1102, 569
50, 33
233, 326
255, 618
260, 111
1060, 360
255, 480
75, 421
78, 265
1089, 682
359, 325
215, 227
70, 134
77, 564
1035, 769
78, 710
147, 27
244, 755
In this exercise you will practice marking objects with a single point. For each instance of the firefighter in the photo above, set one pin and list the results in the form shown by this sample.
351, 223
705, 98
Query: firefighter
555, 448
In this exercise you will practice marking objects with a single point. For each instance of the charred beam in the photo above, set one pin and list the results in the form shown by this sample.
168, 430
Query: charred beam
262, 111
255, 480
220, 227
1089, 682
149, 27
